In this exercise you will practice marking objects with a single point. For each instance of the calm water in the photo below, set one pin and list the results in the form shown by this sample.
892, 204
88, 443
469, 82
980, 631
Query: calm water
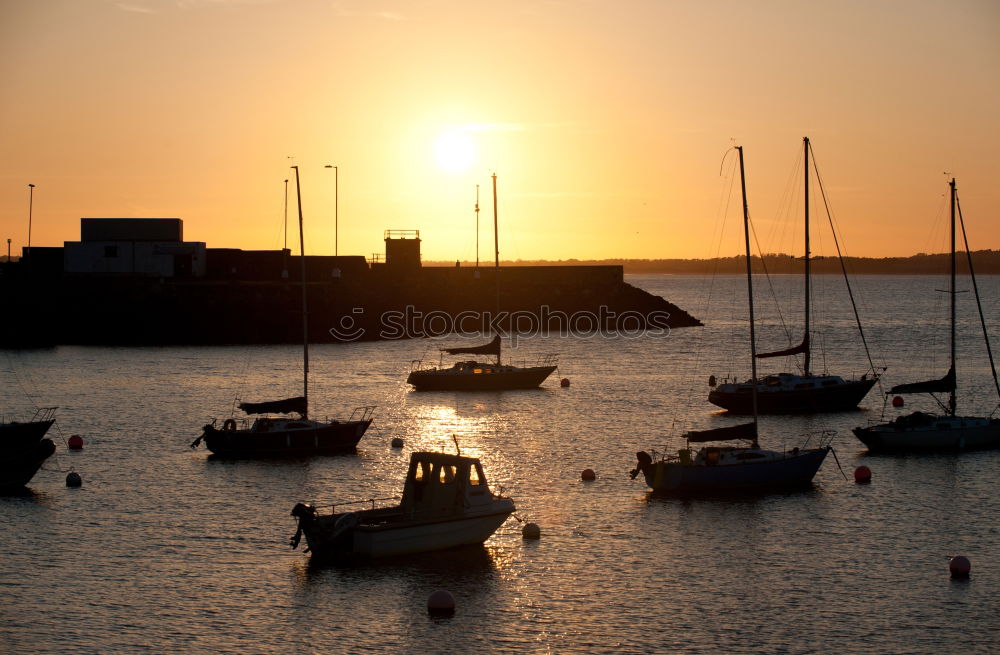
166, 551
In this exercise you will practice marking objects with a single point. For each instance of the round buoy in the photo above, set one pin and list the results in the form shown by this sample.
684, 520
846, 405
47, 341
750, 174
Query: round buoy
441, 603
397, 443
531, 531
588, 474
898, 401
564, 382
73, 479
960, 567
75, 442
862, 475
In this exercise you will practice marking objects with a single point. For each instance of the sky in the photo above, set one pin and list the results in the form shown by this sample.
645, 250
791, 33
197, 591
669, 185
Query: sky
607, 123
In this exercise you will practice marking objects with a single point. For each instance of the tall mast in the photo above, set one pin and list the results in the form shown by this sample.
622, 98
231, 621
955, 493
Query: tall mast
477, 226
496, 252
305, 314
952, 405
805, 160
753, 334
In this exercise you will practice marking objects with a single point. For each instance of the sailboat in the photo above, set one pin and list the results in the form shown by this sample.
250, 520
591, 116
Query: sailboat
920, 431
793, 392
267, 436
478, 376
720, 469
24, 448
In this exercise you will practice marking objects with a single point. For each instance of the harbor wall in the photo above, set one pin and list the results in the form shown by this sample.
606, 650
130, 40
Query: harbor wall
360, 303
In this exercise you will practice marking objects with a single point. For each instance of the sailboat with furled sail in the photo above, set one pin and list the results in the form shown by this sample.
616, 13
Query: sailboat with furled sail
268, 436
472, 375
920, 431
797, 392
719, 469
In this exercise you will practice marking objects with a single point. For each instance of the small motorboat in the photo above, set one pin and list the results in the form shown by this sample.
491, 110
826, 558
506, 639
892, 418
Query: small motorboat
446, 503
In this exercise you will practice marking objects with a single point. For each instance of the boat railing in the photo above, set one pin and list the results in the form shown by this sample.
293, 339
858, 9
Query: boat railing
238, 423
363, 413
549, 359
41, 414
44, 414
416, 365
822, 438
333, 506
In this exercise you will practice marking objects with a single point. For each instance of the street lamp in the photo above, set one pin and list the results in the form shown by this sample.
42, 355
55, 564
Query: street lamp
336, 202
31, 198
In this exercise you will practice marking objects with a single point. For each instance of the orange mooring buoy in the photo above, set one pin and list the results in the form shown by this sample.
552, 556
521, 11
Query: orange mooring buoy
564, 382
862, 475
588, 474
75, 442
897, 401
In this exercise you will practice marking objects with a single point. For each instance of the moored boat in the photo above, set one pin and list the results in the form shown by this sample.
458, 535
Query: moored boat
480, 376
24, 448
921, 431
269, 436
722, 469
805, 392
446, 503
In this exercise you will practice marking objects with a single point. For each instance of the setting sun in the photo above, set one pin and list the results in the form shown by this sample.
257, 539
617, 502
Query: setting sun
454, 152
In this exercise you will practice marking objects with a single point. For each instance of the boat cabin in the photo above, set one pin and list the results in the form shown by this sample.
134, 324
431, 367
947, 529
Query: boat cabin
442, 484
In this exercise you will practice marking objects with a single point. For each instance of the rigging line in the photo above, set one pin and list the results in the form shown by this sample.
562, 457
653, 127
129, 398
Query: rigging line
770, 284
725, 200
979, 305
843, 268
17, 378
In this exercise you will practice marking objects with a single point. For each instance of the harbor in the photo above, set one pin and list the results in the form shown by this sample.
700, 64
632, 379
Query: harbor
163, 547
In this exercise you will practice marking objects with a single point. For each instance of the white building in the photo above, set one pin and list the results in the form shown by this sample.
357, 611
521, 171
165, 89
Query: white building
134, 246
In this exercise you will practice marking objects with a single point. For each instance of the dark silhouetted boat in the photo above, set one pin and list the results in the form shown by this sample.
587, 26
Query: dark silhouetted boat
478, 376
24, 448
446, 503
796, 392
268, 436
920, 431
723, 469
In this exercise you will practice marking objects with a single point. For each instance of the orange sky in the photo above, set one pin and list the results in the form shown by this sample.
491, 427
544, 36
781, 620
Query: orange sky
605, 122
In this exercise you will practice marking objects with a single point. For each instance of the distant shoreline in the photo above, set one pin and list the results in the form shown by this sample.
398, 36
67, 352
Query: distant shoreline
986, 262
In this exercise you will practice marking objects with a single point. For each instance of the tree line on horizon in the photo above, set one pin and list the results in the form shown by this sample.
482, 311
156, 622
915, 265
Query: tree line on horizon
986, 262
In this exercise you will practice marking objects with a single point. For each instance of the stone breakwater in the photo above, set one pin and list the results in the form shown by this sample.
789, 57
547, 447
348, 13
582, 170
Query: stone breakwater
366, 305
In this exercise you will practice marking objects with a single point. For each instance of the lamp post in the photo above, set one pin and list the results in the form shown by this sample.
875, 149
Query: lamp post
8, 251
31, 199
336, 202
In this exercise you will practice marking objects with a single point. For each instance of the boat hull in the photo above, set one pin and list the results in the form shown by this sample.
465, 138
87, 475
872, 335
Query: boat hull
401, 538
787, 401
942, 435
337, 437
24, 449
791, 472
449, 380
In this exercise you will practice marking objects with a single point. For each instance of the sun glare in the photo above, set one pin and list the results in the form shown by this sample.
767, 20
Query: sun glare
454, 152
